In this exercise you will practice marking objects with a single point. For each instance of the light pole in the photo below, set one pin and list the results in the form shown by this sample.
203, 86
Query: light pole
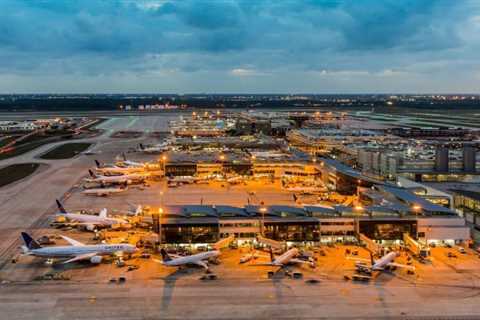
164, 160
263, 210
160, 212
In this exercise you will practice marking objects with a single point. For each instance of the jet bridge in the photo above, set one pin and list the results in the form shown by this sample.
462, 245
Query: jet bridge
371, 245
415, 247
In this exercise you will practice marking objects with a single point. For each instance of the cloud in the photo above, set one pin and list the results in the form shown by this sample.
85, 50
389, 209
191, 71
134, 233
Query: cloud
235, 39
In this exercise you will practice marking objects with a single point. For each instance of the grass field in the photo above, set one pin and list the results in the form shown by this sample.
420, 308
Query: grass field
65, 151
16, 172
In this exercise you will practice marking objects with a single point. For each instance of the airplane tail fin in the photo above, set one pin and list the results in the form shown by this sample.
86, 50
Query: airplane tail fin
103, 213
60, 207
272, 257
30, 243
139, 210
165, 256
92, 174
97, 163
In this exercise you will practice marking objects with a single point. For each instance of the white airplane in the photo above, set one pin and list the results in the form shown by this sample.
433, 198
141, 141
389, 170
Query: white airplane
182, 179
91, 222
76, 251
129, 164
199, 259
103, 192
289, 257
159, 148
115, 170
126, 178
380, 264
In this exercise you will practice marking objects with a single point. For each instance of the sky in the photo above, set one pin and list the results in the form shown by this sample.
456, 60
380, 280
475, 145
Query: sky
240, 46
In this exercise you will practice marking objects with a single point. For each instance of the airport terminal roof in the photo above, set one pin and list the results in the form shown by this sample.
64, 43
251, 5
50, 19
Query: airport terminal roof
346, 170
321, 211
412, 199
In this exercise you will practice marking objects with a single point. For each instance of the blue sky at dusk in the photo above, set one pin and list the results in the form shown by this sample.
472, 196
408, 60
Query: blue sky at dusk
271, 46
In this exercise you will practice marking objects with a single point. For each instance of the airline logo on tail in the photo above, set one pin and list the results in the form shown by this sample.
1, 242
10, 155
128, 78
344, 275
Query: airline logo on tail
165, 256
30, 243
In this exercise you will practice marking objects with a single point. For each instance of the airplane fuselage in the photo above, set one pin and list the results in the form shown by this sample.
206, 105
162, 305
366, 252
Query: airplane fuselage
381, 263
285, 257
192, 259
71, 251
86, 218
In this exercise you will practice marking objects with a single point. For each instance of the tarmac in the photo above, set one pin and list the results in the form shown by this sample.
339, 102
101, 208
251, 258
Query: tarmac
446, 288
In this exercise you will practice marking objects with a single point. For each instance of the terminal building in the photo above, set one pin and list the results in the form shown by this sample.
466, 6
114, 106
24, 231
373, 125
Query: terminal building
203, 224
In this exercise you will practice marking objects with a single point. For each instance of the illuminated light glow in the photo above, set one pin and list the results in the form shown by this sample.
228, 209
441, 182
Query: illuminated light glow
416, 207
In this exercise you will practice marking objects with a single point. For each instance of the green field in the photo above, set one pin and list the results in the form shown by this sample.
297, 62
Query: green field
16, 172
66, 151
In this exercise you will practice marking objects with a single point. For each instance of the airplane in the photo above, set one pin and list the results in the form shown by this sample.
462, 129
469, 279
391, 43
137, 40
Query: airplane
199, 259
129, 164
380, 264
103, 192
159, 148
182, 179
289, 257
76, 251
115, 170
91, 222
126, 178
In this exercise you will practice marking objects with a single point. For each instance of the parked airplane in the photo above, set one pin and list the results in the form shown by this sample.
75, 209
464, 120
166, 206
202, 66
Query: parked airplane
91, 222
115, 170
126, 178
182, 179
76, 251
159, 148
103, 192
289, 257
199, 259
380, 264
129, 164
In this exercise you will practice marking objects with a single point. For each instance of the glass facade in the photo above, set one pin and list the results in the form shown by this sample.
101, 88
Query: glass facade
298, 231
190, 233
387, 230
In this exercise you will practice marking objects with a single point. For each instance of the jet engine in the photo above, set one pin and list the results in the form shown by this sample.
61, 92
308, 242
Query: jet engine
96, 259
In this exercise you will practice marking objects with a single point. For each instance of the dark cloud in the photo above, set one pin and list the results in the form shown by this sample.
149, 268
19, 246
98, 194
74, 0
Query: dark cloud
264, 37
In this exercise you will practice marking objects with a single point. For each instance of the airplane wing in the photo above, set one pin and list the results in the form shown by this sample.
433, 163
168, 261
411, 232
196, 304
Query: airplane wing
359, 259
266, 264
72, 242
81, 257
394, 264
201, 264
294, 260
